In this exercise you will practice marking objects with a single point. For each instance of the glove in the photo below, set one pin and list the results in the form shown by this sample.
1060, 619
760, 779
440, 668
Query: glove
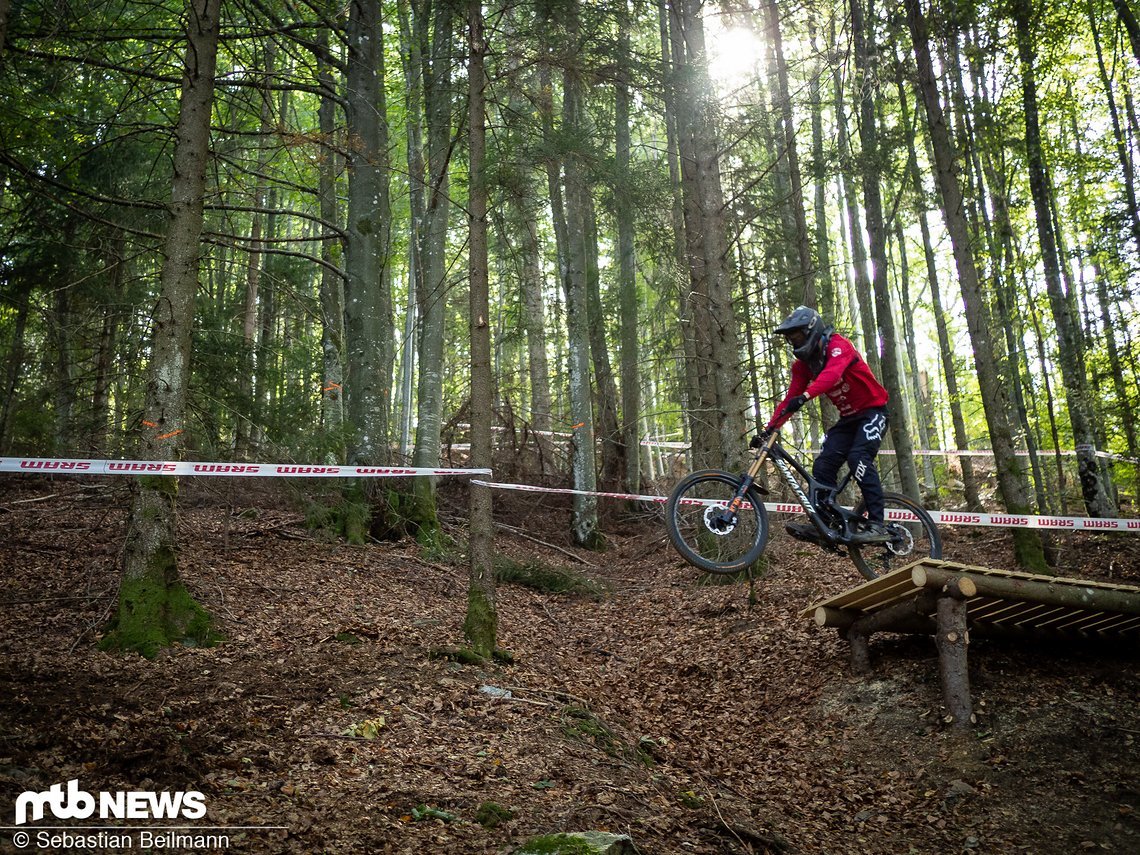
760, 438
794, 404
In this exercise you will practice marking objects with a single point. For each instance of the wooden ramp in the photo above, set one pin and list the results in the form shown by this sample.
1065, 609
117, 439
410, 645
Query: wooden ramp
950, 601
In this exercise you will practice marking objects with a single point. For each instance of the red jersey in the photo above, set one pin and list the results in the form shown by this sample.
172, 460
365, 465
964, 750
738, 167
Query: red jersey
846, 379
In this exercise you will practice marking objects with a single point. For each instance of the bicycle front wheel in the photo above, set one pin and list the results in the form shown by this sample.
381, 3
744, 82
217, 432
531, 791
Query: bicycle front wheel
913, 537
706, 533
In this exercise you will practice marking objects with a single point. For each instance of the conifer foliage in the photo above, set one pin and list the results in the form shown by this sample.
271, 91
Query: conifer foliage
954, 187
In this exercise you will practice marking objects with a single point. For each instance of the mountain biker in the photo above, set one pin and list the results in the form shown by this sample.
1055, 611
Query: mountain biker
826, 363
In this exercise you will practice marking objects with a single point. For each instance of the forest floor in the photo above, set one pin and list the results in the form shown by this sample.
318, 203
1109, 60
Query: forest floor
664, 707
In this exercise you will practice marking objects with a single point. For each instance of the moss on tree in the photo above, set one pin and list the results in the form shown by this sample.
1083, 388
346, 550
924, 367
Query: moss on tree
155, 609
153, 615
482, 622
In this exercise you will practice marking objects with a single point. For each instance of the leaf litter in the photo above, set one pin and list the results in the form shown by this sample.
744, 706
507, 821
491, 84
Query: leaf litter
668, 708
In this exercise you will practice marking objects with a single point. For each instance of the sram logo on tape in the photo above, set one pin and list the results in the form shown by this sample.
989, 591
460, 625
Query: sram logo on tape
140, 466
961, 519
57, 465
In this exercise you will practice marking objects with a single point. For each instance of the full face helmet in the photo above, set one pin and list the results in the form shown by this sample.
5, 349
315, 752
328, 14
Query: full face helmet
805, 332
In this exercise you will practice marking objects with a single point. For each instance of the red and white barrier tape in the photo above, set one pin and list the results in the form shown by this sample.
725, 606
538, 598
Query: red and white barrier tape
924, 452
53, 466
59, 466
939, 517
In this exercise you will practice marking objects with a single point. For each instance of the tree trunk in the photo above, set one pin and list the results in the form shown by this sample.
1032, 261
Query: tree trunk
876, 229
945, 350
5, 17
368, 301
14, 362
914, 386
332, 285
63, 382
431, 292
804, 276
413, 66
722, 399
627, 282
481, 624
534, 322
1000, 235
1123, 154
1011, 476
248, 363
861, 305
605, 389
584, 516
1131, 26
825, 276
1097, 494
155, 610
105, 362
700, 397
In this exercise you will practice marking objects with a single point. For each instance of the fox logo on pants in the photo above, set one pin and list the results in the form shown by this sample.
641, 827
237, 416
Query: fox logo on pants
875, 428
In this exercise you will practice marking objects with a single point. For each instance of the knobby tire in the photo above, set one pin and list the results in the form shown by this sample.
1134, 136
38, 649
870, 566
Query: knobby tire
694, 538
876, 559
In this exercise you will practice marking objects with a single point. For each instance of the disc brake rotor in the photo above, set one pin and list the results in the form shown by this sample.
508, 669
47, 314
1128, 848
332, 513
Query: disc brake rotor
902, 541
719, 521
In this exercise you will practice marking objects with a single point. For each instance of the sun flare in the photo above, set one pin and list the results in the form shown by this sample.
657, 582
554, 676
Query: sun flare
734, 54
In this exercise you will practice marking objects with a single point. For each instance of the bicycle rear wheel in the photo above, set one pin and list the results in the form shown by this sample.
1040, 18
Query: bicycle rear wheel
913, 537
705, 532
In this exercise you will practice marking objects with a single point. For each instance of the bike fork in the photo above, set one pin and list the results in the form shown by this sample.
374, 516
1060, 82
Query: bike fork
748, 478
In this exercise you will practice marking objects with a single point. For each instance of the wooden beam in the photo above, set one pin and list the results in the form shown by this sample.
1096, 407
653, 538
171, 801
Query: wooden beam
1046, 593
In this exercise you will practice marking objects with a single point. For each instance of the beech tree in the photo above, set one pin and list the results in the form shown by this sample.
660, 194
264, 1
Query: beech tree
369, 330
1097, 495
155, 609
1011, 475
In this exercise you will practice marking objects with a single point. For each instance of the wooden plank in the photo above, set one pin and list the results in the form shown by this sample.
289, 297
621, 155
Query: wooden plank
1008, 600
879, 591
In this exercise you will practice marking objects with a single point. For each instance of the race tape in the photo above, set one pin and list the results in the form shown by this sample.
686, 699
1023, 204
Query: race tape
930, 452
53, 466
940, 517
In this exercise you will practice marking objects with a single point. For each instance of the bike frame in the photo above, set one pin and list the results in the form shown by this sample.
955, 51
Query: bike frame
789, 467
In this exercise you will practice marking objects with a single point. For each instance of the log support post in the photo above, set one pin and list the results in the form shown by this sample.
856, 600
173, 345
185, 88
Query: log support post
952, 639
946, 599
907, 616
860, 651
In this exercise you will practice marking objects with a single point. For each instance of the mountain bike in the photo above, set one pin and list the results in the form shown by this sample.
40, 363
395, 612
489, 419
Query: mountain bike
719, 524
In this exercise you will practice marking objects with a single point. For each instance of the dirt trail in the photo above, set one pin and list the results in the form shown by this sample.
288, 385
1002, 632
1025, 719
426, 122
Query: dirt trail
668, 709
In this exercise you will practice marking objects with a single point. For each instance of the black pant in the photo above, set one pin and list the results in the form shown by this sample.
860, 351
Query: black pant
856, 440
